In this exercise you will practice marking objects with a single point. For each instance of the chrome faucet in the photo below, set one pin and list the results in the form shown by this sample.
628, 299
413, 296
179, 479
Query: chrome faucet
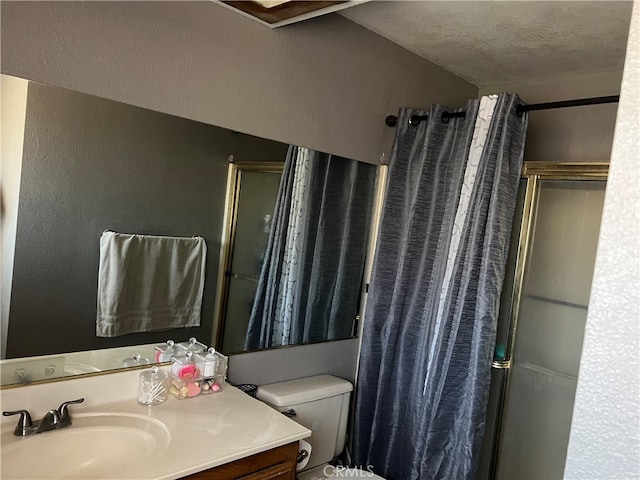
52, 420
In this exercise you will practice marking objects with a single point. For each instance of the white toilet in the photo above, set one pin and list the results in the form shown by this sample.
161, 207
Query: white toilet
321, 404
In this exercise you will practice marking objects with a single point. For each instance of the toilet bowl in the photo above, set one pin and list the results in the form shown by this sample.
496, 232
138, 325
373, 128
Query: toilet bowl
321, 404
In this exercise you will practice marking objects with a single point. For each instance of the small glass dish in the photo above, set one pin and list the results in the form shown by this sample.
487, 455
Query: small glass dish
166, 351
212, 384
135, 361
186, 378
213, 368
185, 387
193, 345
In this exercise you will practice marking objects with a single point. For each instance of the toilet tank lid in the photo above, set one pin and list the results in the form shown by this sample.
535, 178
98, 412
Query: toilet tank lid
303, 390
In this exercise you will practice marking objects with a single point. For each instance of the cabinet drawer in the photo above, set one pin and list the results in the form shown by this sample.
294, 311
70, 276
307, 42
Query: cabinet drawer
277, 463
281, 471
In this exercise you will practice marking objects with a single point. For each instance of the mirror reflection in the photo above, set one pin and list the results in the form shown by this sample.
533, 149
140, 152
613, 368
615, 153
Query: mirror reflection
285, 237
311, 266
251, 199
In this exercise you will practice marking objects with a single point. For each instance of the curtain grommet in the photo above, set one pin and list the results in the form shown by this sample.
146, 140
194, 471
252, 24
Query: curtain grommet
519, 111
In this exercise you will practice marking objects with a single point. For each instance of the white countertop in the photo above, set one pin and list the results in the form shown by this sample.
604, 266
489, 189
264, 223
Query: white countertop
211, 430
204, 432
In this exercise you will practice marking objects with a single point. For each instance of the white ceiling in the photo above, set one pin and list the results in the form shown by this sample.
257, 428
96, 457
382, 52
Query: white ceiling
500, 42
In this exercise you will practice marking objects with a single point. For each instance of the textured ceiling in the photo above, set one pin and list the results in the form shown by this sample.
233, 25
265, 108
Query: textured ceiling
499, 42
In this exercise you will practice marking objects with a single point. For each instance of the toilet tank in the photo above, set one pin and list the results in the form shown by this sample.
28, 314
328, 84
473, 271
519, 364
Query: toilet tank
321, 404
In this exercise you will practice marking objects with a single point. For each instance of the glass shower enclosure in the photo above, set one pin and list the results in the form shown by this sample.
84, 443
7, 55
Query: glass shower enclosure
542, 319
252, 193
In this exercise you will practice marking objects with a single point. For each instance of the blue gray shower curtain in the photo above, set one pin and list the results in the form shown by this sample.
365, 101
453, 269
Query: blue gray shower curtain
432, 307
308, 287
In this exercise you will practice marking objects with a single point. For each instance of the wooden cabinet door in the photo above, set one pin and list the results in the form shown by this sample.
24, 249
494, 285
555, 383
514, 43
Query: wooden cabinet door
277, 463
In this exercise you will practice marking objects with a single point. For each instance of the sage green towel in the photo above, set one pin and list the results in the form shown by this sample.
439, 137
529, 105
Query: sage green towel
148, 283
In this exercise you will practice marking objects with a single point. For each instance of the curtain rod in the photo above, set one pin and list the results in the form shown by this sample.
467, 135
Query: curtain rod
392, 120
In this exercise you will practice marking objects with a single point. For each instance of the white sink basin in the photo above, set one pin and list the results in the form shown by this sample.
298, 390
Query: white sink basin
96, 445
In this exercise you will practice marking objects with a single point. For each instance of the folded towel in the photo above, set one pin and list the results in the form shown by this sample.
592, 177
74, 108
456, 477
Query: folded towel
148, 283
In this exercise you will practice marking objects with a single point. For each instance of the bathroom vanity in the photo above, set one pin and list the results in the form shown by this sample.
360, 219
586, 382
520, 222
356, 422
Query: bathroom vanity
219, 436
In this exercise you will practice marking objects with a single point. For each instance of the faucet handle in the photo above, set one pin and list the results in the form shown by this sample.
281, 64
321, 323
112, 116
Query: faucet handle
25, 418
64, 409
24, 423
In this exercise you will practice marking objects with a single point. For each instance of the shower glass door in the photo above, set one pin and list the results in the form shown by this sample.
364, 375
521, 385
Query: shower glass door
542, 327
252, 200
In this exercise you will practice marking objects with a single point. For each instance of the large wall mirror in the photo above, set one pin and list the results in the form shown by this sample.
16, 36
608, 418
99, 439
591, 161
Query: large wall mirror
286, 230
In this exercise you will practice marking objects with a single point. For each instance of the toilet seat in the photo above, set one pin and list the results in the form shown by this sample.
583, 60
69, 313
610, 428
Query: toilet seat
328, 472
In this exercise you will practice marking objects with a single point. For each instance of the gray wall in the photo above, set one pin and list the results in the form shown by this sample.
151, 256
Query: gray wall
581, 134
91, 164
605, 433
326, 83
276, 365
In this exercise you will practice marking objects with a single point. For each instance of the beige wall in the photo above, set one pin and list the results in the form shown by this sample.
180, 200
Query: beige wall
605, 433
580, 134
13, 100
325, 83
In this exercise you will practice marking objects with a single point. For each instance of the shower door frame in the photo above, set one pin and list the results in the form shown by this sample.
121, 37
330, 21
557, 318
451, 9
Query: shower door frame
532, 172
232, 203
